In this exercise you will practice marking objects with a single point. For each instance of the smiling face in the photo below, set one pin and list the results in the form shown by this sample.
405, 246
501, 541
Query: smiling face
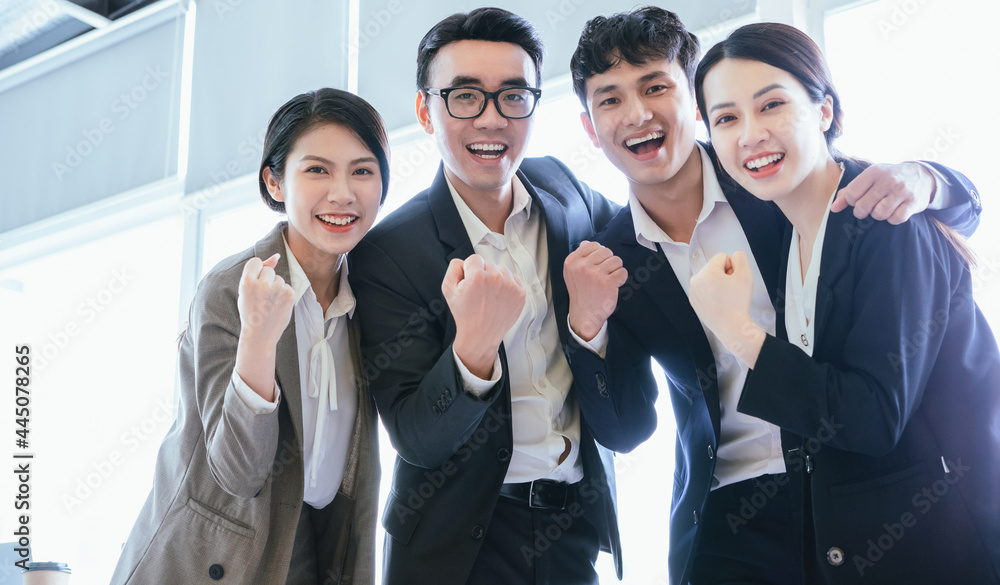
643, 117
331, 190
766, 130
479, 154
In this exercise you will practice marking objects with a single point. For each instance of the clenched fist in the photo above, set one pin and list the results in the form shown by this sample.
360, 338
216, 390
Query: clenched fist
265, 301
593, 276
486, 301
721, 294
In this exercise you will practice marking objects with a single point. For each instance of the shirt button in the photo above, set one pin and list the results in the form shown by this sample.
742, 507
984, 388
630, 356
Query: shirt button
478, 532
711, 452
695, 513
216, 572
809, 464
835, 556
503, 455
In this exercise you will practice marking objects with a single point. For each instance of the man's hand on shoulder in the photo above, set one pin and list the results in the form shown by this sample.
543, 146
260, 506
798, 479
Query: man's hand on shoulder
888, 192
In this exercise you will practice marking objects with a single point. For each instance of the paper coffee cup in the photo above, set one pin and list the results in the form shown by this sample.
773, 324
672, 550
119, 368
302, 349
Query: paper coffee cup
46, 574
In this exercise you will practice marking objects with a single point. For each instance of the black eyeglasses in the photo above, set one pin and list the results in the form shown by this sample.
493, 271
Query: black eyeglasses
513, 103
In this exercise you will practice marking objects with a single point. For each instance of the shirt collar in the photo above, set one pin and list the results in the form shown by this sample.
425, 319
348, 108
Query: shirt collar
343, 304
648, 234
474, 226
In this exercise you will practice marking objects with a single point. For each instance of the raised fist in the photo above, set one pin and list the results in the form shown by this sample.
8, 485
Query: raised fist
486, 300
593, 276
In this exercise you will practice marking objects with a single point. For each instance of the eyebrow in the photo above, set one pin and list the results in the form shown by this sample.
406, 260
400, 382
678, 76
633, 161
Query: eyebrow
644, 79
363, 159
460, 80
755, 96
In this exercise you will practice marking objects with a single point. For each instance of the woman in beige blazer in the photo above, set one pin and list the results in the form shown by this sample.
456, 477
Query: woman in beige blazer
269, 473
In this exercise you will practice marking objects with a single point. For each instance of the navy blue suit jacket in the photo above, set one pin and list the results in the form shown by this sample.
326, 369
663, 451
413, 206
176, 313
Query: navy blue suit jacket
897, 410
454, 448
655, 320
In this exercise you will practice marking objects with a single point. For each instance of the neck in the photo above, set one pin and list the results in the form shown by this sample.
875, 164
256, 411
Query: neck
676, 203
491, 206
806, 205
321, 268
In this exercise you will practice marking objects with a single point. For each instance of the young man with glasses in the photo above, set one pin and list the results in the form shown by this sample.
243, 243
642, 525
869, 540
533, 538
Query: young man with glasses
463, 308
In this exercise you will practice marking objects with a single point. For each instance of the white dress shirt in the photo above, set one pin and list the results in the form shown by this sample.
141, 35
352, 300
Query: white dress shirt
328, 383
543, 412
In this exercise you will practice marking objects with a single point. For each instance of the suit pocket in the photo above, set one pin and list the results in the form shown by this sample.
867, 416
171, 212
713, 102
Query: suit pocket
399, 520
880, 482
195, 542
217, 518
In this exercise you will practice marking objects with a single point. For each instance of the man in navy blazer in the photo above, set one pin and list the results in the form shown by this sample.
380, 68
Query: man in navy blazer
633, 73
464, 323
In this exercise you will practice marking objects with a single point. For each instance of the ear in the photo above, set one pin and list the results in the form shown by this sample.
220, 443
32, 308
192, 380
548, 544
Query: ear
423, 116
697, 114
273, 186
588, 127
826, 112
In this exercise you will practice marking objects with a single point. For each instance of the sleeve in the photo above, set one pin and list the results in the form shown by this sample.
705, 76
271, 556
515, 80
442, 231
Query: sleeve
252, 400
240, 443
474, 384
410, 365
597, 346
896, 296
964, 205
617, 394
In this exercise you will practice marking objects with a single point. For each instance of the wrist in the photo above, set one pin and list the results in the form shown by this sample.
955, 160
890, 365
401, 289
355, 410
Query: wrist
477, 359
746, 342
585, 329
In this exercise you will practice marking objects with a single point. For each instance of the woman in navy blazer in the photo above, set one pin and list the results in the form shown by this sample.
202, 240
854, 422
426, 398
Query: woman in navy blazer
884, 375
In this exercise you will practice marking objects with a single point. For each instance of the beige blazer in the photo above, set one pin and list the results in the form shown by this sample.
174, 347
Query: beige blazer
227, 490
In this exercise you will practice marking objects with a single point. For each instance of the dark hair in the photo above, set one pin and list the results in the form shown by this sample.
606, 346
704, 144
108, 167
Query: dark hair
784, 47
635, 37
482, 24
308, 110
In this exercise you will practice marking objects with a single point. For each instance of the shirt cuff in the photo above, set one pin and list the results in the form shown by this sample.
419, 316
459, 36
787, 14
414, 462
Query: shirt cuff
598, 345
943, 198
472, 383
254, 401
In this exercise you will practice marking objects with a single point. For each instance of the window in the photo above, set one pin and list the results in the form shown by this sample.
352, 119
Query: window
913, 77
101, 319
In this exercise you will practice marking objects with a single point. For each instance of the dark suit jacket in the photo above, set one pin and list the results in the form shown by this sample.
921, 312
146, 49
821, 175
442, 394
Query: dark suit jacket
654, 319
898, 409
454, 448
228, 485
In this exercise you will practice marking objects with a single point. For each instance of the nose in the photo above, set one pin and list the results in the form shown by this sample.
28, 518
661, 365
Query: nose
752, 132
637, 113
490, 118
339, 189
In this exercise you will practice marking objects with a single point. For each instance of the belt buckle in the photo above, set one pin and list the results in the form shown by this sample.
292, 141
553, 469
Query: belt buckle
535, 497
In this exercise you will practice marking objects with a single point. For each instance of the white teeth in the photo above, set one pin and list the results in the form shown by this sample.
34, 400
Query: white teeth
341, 221
487, 147
764, 160
650, 136
479, 148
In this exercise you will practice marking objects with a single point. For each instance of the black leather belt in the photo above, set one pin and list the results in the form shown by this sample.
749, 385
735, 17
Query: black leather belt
541, 493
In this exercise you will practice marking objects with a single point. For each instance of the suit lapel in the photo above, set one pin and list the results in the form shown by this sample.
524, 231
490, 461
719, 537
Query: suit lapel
558, 244
451, 230
666, 292
287, 359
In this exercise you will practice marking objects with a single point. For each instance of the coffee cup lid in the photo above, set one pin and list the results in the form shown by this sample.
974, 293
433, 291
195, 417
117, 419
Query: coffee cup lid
47, 566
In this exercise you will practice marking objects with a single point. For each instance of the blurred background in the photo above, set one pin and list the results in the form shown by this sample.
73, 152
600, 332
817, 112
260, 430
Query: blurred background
131, 132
